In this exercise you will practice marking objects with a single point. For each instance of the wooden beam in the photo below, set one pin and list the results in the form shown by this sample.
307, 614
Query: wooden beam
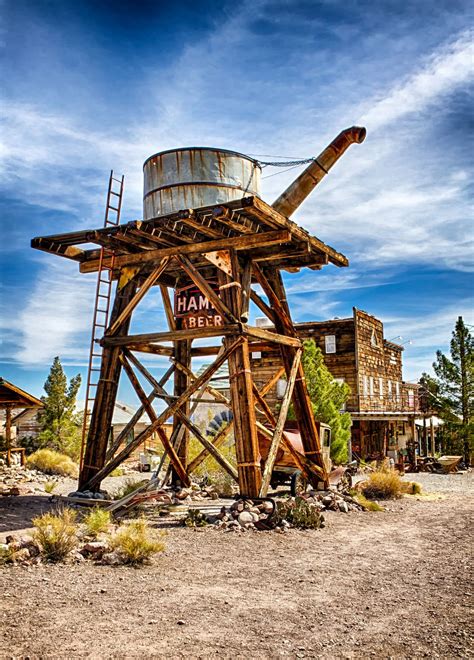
173, 456
152, 349
238, 242
170, 410
260, 333
168, 307
177, 335
140, 294
262, 305
205, 289
277, 435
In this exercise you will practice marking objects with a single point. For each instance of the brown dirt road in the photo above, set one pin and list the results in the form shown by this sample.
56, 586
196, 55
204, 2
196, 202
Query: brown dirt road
369, 585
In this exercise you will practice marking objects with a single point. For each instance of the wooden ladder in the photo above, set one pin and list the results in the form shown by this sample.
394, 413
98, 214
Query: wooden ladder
103, 295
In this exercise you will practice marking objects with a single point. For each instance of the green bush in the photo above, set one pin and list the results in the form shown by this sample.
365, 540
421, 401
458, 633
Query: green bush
368, 505
55, 533
299, 513
52, 462
134, 542
97, 521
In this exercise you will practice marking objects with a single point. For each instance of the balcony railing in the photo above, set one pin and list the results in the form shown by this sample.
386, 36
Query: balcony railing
386, 403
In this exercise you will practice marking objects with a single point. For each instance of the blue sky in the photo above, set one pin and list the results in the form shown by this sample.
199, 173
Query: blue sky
92, 86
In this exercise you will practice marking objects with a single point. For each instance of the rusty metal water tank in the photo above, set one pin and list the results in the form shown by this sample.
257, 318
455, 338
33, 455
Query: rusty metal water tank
196, 176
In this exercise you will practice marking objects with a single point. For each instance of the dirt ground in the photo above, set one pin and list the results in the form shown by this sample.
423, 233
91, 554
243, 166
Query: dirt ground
370, 585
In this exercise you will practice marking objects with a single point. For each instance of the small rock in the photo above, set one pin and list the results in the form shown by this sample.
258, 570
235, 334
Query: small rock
180, 622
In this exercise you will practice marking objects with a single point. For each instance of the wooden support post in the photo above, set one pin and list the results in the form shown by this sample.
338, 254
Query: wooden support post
224, 433
174, 458
8, 432
140, 294
245, 429
170, 410
106, 394
432, 437
136, 417
182, 417
182, 355
272, 284
275, 443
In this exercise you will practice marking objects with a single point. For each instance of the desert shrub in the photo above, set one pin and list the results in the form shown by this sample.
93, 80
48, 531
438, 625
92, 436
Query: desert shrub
55, 533
52, 462
383, 484
195, 518
97, 521
49, 486
6, 555
118, 472
369, 505
411, 488
134, 542
299, 513
128, 487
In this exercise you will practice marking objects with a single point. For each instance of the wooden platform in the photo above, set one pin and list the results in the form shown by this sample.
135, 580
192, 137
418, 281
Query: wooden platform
248, 225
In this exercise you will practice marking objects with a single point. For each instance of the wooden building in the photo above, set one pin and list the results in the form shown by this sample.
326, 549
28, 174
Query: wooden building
12, 398
382, 406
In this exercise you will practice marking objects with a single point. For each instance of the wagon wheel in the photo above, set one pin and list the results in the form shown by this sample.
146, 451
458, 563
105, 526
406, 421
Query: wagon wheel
299, 483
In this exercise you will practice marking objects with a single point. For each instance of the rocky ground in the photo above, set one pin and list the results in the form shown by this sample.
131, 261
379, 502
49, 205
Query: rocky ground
369, 585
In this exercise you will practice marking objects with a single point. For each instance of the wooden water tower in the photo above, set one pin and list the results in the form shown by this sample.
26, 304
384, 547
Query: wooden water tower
207, 234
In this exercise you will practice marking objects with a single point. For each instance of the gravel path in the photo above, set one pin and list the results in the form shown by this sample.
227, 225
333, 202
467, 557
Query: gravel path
369, 585
459, 482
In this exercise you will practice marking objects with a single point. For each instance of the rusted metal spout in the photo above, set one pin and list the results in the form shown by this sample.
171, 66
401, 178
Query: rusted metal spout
302, 186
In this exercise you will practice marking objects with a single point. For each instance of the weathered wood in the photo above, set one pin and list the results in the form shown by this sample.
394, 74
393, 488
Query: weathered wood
277, 435
273, 287
274, 337
140, 294
262, 305
165, 296
182, 354
246, 441
8, 432
170, 410
205, 289
152, 349
223, 433
106, 393
177, 335
238, 242
183, 415
136, 418
173, 456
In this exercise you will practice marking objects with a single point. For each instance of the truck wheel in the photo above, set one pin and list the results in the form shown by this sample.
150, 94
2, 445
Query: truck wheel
299, 484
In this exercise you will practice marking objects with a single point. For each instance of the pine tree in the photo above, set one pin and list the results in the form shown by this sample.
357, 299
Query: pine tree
327, 399
58, 420
455, 379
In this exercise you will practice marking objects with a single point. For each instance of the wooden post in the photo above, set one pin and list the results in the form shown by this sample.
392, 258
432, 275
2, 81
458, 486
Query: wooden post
182, 354
104, 403
272, 284
8, 432
432, 436
245, 426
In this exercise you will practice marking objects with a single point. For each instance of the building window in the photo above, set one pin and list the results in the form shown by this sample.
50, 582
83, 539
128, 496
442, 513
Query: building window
365, 385
373, 339
381, 386
397, 389
411, 399
280, 388
330, 343
389, 388
371, 385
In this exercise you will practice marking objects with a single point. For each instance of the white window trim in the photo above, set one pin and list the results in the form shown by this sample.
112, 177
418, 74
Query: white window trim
330, 344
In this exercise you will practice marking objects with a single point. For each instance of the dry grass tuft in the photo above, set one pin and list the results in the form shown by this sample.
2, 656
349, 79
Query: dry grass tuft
368, 504
52, 462
97, 521
382, 485
128, 487
134, 542
55, 533
411, 488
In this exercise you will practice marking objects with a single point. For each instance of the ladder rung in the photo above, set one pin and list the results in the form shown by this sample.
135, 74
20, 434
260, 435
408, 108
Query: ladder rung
102, 295
114, 179
100, 325
95, 369
112, 192
112, 208
96, 354
104, 311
